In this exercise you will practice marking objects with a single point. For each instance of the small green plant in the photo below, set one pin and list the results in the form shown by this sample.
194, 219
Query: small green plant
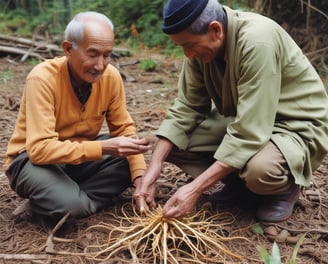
257, 229
172, 50
292, 260
148, 65
6, 76
275, 257
33, 61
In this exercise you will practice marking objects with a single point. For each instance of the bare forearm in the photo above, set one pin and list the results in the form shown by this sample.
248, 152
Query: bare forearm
215, 173
162, 150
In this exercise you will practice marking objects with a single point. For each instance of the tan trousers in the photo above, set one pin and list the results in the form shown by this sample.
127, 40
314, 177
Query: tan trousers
266, 173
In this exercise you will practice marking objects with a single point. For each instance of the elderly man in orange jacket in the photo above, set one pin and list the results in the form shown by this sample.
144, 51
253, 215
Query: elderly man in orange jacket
55, 157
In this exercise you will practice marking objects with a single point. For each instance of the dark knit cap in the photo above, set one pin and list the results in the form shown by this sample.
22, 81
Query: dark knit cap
179, 14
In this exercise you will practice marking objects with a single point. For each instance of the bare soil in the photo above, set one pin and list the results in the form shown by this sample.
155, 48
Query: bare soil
148, 96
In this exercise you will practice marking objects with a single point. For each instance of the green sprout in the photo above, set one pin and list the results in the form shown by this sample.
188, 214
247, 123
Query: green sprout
148, 65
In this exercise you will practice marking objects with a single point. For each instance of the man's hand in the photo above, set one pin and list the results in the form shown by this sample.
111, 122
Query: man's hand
125, 146
144, 194
182, 202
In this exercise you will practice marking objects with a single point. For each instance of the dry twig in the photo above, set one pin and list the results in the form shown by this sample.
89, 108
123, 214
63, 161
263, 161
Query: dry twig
22, 257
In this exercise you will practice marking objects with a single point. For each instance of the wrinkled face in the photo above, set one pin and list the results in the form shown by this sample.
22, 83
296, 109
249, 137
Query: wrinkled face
92, 55
204, 47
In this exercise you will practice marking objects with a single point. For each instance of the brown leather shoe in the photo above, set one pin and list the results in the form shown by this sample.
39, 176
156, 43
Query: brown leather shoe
277, 208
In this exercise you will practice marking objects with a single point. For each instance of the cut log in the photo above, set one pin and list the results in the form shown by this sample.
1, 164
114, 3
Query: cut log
20, 51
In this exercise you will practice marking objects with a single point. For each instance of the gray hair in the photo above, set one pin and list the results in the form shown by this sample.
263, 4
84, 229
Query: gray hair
212, 12
74, 31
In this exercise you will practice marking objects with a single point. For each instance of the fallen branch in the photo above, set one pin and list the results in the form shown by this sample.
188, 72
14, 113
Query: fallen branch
316, 51
23, 257
50, 247
20, 52
40, 49
314, 8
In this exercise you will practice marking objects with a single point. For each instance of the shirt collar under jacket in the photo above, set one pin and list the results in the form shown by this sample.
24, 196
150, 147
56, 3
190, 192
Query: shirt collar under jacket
83, 97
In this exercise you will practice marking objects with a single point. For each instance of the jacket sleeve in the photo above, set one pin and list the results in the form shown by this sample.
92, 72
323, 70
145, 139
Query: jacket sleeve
120, 122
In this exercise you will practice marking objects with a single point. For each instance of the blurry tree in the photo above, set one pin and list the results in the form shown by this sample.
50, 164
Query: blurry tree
139, 21
28, 17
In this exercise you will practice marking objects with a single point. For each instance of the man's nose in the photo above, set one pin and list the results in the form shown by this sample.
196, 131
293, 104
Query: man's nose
100, 64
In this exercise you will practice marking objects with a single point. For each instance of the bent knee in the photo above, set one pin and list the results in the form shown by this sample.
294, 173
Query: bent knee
266, 176
79, 206
253, 178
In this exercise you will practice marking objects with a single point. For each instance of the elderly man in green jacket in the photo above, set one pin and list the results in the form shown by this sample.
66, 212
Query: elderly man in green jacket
251, 111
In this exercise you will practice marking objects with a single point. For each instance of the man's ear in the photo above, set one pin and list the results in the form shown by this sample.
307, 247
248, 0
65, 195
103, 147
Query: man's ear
67, 47
217, 28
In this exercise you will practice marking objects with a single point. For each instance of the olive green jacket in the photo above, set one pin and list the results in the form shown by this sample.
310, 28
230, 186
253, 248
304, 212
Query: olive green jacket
268, 86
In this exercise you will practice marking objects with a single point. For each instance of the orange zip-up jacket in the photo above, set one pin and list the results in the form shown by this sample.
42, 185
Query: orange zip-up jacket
55, 128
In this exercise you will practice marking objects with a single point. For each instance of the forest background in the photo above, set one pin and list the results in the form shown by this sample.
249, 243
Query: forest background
138, 28
138, 22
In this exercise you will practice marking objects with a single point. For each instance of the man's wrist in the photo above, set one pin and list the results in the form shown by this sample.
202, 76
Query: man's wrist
135, 180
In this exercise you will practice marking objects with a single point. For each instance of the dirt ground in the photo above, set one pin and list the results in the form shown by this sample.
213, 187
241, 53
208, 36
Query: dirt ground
148, 96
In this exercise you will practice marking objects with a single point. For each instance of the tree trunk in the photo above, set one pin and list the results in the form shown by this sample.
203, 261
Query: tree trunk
258, 6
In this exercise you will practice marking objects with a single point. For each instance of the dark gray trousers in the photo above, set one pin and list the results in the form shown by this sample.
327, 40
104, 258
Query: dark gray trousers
54, 190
